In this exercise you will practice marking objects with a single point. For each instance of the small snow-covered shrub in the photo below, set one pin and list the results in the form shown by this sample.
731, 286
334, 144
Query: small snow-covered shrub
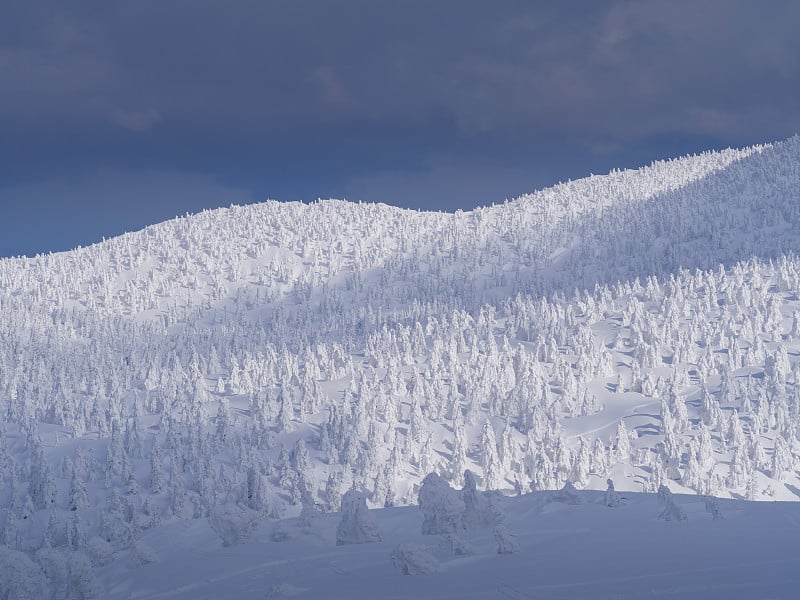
357, 525
143, 554
283, 590
100, 551
280, 533
506, 544
567, 494
414, 559
442, 506
712, 507
233, 527
671, 512
458, 546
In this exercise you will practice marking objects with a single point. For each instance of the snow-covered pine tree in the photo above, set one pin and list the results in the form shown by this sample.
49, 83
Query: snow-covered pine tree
357, 525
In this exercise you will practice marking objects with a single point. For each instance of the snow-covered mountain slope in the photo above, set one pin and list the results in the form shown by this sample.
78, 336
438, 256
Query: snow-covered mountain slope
642, 325
263, 253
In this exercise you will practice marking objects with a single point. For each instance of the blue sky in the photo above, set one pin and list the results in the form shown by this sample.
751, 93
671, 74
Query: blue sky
117, 115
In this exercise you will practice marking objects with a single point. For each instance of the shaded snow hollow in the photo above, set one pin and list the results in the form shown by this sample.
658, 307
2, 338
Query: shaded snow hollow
566, 551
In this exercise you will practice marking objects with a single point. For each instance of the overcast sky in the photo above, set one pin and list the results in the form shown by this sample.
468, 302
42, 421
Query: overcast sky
115, 115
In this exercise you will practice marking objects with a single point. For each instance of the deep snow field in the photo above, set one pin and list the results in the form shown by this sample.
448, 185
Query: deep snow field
565, 552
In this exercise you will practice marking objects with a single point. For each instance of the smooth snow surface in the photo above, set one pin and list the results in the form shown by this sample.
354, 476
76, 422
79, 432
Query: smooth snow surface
565, 552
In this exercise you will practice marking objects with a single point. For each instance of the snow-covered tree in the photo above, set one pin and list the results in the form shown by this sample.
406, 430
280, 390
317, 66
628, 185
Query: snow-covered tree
490, 460
357, 525
611, 498
479, 511
414, 559
442, 506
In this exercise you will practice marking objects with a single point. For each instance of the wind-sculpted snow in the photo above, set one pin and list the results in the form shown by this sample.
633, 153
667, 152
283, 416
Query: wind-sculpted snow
244, 364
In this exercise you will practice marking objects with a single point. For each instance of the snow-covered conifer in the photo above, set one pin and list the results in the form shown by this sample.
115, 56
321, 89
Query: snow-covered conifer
22, 578
582, 462
479, 511
508, 448
41, 486
442, 506
781, 458
611, 498
459, 461
78, 498
357, 525
489, 457
622, 443
671, 511
11, 533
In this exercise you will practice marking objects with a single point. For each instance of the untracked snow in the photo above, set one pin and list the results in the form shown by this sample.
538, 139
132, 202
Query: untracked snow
565, 551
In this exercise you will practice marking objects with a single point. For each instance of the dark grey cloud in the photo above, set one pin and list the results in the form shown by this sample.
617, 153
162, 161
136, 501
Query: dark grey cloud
310, 98
610, 69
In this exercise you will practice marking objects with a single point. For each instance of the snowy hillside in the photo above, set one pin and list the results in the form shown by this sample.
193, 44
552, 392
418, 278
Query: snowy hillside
235, 366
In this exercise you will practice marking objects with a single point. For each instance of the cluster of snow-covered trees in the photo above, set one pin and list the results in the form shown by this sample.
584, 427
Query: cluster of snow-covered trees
239, 364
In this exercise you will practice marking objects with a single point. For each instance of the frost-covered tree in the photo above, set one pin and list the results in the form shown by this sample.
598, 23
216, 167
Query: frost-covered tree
22, 578
233, 525
357, 525
611, 498
671, 511
460, 447
479, 511
622, 443
582, 463
442, 506
11, 533
41, 486
781, 458
78, 497
490, 460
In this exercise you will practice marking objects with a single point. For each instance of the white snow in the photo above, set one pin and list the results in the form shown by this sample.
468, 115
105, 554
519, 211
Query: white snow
565, 551
172, 399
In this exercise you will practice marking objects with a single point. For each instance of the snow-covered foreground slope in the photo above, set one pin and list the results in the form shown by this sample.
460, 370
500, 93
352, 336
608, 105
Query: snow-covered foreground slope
227, 369
564, 552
